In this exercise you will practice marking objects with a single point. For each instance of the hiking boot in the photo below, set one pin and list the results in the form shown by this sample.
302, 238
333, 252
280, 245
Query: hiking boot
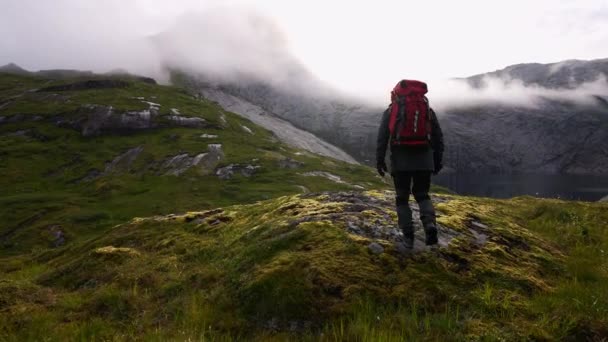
431, 235
427, 216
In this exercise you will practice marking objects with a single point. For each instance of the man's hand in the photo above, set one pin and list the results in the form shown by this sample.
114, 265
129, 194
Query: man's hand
382, 168
438, 166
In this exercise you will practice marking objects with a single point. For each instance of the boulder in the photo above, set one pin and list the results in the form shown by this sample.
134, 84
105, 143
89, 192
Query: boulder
204, 162
123, 162
229, 171
289, 163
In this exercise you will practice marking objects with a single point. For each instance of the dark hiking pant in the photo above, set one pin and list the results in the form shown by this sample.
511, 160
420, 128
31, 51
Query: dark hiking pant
417, 183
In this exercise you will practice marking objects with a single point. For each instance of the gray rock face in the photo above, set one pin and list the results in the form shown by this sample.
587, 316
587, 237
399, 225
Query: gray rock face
556, 138
284, 130
605, 199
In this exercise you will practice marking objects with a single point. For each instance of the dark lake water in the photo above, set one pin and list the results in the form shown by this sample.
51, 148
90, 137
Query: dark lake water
582, 188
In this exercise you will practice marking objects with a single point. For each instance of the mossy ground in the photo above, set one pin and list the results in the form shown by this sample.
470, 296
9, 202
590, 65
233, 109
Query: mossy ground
264, 271
265, 267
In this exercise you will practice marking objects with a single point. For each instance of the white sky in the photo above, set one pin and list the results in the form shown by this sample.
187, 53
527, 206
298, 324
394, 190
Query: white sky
353, 45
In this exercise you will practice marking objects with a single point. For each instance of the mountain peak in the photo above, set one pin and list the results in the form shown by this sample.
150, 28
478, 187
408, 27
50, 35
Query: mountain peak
12, 68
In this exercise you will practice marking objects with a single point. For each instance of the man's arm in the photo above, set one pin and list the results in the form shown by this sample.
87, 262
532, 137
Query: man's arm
383, 138
437, 142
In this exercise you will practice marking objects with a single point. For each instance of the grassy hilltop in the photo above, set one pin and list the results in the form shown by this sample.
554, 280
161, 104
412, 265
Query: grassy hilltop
122, 218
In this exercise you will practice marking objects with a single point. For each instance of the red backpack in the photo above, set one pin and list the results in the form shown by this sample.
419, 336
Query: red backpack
410, 117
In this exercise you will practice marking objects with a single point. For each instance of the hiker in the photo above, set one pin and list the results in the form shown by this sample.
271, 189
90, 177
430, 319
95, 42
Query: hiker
411, 128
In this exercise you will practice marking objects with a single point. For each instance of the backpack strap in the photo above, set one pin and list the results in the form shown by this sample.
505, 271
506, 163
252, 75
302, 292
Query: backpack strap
400, 122
430, 116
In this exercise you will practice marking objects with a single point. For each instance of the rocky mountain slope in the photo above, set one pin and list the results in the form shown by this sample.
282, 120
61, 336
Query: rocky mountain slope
556, 136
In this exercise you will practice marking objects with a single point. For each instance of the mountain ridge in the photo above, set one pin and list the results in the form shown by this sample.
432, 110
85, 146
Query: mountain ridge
352, 124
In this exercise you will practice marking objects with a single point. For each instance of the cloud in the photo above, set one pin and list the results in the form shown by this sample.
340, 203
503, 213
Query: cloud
454, 94
227, 42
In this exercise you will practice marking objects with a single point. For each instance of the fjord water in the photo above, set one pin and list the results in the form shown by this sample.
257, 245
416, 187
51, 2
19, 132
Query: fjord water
569, 187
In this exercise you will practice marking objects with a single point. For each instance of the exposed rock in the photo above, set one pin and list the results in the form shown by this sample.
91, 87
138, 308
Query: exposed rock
2, 118
152, 104
605, 199
175, 111
223, 120
205, 162
247, 129
94, 120
123, 162
191, 122
229, 171
178, 164
86, 85
324, 174
209, 136
478, 225
120, 251
288, 163
375, 248
379, 222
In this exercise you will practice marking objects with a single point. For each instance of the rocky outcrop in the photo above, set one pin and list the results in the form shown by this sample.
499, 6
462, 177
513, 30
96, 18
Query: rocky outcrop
231, 170
204, 163
92, 120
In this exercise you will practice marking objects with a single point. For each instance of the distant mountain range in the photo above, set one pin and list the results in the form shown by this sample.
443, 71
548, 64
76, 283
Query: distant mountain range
556, 136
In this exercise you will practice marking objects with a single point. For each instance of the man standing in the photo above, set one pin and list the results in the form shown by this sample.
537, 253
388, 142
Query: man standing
411, 128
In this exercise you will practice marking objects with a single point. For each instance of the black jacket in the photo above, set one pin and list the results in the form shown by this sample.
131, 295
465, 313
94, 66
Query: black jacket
409, 158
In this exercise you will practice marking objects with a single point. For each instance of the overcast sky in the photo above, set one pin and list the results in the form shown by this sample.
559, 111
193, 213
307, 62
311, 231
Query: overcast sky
353, 45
